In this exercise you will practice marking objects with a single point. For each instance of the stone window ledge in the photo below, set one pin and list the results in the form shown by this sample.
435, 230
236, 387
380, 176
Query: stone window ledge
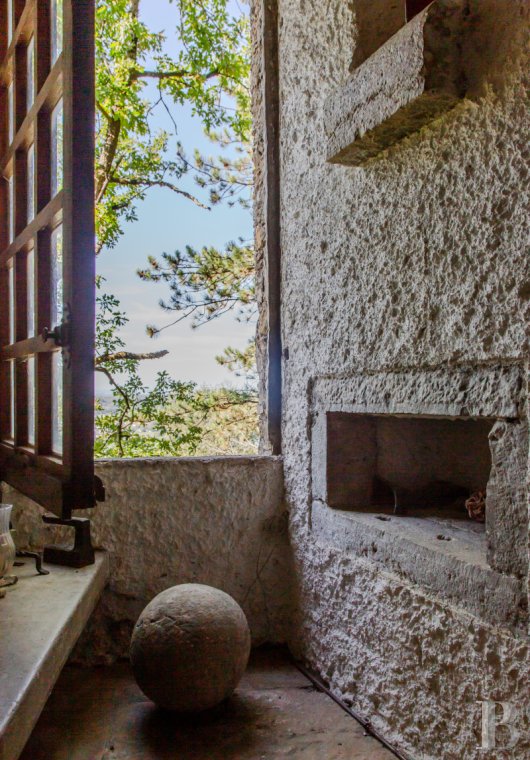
41, 619
455, 570
414, 78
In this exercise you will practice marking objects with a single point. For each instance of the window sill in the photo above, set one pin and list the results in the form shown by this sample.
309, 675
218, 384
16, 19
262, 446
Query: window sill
414, 78
41, 618
454, 570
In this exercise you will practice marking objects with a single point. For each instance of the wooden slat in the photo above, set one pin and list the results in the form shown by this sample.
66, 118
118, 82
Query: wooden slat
4, 217
20, 86
4, 129
21, 403
58, 483
42, 160
43, 362
3, 29
46, 489
20, 194
46, 99
5, 384
50, 216
5, 406
27, 347
21, 34
21, 321
26, 456
42, 45
43, 404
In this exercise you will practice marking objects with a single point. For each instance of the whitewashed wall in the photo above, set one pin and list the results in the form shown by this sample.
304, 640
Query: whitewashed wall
219, 521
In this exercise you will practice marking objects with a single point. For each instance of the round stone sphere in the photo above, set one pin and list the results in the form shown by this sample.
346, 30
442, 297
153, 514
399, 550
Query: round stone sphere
190, 648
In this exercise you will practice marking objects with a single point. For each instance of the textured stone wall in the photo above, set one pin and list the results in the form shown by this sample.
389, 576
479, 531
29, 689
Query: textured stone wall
218, 521
417, 261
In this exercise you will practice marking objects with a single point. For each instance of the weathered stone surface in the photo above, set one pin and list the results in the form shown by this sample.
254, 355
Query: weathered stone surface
414, 78
486, 393
443, 556
456, 391
507, 499
415, 265
410, 662
218, 521
41, 618
190, 647
276, 713
376, 21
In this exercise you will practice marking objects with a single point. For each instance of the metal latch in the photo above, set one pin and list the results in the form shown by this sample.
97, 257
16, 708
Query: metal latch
59, 334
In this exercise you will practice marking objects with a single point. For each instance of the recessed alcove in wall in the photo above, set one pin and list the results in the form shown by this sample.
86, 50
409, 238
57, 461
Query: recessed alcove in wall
434, 436
418, 466
378, 20
408, 69
413, 7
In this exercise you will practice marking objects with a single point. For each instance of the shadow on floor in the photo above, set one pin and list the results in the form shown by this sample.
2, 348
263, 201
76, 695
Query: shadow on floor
276, 712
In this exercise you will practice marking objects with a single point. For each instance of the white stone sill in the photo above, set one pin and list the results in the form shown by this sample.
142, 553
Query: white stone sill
41, 618
456, 570
139, 461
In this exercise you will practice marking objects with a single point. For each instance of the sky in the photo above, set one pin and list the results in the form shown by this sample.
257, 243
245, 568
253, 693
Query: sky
167, 222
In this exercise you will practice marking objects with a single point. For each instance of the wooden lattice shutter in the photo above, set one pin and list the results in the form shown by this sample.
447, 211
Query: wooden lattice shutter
47, 259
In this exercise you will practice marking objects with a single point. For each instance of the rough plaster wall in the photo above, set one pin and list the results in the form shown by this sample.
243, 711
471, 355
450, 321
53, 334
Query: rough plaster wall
218, 521
419, 260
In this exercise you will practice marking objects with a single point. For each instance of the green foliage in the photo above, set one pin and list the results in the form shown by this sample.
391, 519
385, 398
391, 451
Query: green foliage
241, 363
230, 425
172, 418
140, 421
205, 284
209, 72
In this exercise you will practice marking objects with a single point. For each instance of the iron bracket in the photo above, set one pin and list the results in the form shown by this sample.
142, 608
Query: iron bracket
81, 553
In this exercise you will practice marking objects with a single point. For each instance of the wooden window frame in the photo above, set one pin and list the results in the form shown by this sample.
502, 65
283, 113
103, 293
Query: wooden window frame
62, 481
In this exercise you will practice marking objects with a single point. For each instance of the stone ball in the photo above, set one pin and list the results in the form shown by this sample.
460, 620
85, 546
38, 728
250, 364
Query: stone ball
190, 648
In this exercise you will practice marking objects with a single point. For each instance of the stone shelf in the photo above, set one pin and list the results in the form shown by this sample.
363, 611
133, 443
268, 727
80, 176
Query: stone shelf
447, 557
41, 618
414, 78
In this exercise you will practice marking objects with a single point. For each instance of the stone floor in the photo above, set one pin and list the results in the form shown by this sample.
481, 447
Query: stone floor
276, 712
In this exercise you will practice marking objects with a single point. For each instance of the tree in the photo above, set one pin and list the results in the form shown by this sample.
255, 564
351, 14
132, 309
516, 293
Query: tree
209, 72
171, 419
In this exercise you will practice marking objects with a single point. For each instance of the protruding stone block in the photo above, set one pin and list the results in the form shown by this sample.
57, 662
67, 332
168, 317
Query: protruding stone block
414, 78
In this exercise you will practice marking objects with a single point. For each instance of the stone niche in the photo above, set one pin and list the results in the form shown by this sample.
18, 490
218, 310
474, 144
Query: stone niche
403, 451
378, 20
406, 465
409, 67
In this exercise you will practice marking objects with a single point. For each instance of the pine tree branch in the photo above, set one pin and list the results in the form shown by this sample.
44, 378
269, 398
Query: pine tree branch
122, 355
158, 183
